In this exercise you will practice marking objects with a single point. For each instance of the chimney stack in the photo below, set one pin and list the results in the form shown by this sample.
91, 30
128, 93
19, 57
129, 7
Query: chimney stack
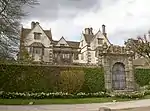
89, 31
149, 35
37, 22
32, 24
104, 30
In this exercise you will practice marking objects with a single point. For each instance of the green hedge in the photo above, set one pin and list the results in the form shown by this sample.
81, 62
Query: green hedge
94, 80
142, 76
25, 78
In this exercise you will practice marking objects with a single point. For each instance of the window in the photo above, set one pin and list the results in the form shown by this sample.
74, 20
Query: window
89, 54
100, 41
37, 51
66, 56
82, 56
55, 55
76, 56
37, 36
62, 44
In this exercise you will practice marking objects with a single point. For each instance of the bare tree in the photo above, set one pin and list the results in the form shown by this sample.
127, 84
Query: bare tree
11, 12
141, 46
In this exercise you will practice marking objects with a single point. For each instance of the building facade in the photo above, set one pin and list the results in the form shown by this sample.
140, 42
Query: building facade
42, 48
92, 49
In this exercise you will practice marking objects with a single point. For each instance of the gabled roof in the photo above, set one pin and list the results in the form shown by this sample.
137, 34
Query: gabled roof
54, 42
103, 35
72, 44
140, 62
26, 31
62, 38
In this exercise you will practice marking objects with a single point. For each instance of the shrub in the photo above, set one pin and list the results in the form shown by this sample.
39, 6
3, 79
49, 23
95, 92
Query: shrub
142, 76
43, 95
94, 80
71, 81
131, 95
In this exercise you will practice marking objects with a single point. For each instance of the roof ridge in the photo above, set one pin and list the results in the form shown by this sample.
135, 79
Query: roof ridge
72, 41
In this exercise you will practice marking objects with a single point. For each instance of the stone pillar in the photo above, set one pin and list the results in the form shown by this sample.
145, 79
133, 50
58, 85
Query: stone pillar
107, 74
51, 55
130, 75
99, 58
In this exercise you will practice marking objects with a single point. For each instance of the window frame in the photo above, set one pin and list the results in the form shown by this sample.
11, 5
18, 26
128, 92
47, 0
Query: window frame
37, 35
65, 56
37, 50
100, 41
82, 56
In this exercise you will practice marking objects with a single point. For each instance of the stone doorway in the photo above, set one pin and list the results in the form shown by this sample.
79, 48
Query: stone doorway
117, 62
118, 76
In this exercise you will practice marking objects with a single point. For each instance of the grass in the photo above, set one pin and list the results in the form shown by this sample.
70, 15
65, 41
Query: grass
147, 97
57, 101
62, 101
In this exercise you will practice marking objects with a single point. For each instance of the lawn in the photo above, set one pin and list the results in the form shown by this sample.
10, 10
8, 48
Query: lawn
62, 101
57, 101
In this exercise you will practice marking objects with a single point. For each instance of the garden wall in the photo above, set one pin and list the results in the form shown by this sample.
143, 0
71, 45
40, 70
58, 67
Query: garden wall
38, 78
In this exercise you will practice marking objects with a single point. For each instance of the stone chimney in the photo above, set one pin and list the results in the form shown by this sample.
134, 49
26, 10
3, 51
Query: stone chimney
104, 30
149, 35
37, 23
33, 24
89, 31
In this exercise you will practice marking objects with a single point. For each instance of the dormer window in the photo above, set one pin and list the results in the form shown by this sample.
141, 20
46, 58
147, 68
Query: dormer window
37, 36
100, 40
62, 44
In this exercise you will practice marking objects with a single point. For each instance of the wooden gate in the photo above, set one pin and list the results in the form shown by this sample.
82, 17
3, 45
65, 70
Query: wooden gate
118, 76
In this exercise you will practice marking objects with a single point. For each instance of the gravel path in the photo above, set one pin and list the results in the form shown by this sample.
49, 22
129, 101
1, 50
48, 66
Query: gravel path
80, 107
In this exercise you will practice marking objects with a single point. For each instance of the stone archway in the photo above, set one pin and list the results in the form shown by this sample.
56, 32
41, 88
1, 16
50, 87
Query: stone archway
118, 67
118, 76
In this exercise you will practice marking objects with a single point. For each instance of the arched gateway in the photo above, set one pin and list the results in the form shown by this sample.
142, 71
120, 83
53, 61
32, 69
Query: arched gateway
118, 66
118, 76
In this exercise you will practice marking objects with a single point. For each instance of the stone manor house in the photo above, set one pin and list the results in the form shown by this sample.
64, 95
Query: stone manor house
42, 48
92, 49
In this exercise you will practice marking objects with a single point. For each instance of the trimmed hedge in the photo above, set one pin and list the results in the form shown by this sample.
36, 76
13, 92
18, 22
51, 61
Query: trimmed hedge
94, 81
27, 78
142, 76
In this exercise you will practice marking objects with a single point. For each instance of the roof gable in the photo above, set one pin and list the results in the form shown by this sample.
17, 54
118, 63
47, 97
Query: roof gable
99, 34
72, 44
62, 41
26, 31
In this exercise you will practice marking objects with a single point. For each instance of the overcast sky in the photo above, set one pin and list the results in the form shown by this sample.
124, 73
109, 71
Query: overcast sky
123, 18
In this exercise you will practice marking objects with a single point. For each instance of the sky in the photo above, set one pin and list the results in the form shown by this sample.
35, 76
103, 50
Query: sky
123, 18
